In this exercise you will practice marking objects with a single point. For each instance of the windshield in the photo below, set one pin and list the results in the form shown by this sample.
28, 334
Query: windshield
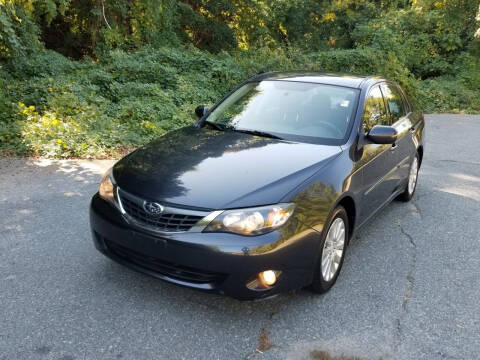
290, 110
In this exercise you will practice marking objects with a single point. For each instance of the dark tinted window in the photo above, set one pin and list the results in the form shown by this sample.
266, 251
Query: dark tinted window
394, 101
375, 113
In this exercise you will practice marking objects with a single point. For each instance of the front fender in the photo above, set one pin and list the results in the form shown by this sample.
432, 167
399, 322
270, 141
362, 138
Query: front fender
317, 196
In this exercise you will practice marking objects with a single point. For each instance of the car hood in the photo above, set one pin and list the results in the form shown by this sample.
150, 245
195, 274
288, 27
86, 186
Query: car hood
211, 169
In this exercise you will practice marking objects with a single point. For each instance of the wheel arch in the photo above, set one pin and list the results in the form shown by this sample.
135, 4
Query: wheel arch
348, 203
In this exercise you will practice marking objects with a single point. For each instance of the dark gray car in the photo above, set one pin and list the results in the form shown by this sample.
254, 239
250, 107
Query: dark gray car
264, 192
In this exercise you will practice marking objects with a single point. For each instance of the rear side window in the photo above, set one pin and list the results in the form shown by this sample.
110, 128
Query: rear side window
375, 112
394, 101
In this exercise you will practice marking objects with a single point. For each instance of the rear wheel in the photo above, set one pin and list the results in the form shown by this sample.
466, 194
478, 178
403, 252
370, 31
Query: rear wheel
332, 251
412, 181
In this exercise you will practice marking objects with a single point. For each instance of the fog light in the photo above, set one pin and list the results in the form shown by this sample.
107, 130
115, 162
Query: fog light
264, 280
268, 277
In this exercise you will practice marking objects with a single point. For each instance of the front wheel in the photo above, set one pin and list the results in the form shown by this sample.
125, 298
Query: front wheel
332, 251
412, 181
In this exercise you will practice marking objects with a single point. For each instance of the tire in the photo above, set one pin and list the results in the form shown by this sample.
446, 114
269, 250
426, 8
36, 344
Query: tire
323, 279
410, 188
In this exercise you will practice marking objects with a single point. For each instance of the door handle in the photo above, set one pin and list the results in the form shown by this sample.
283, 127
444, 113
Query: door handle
394, 146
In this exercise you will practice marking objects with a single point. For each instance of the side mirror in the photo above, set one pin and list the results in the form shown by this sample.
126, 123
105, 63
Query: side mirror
380, 134
201, 111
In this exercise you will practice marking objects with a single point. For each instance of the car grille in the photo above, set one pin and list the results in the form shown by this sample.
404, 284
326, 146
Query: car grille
161, 267
167, 221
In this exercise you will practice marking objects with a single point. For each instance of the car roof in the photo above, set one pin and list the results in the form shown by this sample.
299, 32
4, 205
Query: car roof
338, 79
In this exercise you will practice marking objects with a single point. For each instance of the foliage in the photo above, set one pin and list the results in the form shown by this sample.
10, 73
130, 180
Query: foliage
449, 93
62, 108
84, 27
52, 106
18, 33
427, 38
119, 73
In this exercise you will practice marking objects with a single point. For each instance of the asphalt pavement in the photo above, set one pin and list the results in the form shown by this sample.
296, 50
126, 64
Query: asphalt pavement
409, 288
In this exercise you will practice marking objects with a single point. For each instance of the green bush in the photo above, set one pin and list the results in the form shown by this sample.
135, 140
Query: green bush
18, 33
52, 106
365, 61
426, 37
448, 94
55, 107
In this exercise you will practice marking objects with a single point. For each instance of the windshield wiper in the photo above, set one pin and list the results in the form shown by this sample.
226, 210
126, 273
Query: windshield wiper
223, 127
219, 126
215, 125
258, 133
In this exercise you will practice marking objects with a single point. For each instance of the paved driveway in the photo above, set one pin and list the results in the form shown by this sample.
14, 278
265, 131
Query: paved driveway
409, 289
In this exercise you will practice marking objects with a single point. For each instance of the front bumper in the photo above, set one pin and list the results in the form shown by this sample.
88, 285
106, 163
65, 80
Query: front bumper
216, 262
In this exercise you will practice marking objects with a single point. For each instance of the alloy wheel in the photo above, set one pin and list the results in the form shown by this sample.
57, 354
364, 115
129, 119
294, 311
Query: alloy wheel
412, 178
333, 249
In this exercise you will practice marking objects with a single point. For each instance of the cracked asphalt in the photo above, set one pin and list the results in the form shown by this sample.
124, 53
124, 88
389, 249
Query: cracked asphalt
409, 288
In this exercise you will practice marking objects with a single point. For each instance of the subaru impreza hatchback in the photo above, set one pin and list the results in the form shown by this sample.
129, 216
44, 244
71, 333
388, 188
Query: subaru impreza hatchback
263, 194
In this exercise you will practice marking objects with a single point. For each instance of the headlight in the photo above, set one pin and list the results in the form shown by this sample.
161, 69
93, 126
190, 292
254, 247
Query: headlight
106, 186
252, 221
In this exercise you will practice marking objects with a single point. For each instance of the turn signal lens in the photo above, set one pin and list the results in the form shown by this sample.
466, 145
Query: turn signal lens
106, 186
277, 217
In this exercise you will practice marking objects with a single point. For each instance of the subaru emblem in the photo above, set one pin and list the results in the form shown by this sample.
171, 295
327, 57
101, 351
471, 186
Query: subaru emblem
153, 208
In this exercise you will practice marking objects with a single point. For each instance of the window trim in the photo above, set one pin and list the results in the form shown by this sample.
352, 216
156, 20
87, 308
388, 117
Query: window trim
387, 108
405, 100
